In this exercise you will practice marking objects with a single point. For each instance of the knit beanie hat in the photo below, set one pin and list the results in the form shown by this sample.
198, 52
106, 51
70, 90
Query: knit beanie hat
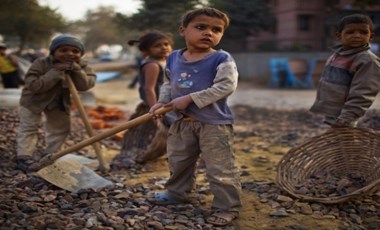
66, 39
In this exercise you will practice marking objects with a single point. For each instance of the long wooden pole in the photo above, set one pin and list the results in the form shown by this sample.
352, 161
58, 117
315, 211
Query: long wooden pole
86, 121
49, 159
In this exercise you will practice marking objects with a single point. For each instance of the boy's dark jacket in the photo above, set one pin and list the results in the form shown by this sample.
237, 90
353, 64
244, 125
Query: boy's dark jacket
45, 86
349, 84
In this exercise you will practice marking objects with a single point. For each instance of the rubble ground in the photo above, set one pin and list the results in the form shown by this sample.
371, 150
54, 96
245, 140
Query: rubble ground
262, 136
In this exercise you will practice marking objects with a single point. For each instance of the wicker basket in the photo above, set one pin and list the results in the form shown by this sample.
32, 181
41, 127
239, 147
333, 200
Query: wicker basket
339, 151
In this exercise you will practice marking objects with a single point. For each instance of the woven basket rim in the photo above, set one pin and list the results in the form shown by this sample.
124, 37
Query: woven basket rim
288, 159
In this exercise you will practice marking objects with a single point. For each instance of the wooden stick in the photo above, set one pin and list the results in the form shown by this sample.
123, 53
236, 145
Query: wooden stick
49, 159
86, 121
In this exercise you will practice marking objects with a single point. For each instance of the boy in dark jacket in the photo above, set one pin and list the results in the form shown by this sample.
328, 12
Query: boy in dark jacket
351, 78
46, 92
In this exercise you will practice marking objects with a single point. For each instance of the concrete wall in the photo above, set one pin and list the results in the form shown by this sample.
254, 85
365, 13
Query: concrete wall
255, 66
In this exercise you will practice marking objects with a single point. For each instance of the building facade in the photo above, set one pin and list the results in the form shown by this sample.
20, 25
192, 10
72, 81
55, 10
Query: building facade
308, 25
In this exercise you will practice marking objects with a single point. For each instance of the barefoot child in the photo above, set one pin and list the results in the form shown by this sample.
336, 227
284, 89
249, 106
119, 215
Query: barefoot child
198, 82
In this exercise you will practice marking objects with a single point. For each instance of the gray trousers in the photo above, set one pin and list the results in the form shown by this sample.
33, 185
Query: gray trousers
57, 128
186, 141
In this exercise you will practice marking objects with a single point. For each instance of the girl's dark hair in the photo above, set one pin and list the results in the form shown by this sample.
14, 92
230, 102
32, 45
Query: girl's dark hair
146, 40
208, 11
354, 18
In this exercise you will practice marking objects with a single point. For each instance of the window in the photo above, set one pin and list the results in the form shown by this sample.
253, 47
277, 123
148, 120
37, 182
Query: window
304, 22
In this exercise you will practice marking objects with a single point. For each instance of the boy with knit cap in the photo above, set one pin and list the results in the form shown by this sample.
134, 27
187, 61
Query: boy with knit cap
46, 92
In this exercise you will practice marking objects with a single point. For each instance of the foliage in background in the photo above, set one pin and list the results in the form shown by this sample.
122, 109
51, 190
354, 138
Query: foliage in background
100, 28
247, 19
163, 15
25, 22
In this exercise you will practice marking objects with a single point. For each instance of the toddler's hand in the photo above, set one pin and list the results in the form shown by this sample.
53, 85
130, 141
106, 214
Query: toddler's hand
154, 108
75, 66
62, 66
181, 103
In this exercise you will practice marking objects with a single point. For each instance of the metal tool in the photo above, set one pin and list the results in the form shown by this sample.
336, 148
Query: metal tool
69, 174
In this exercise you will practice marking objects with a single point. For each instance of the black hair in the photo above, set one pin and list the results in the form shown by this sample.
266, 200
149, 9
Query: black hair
354, 18
146, 40
208, 11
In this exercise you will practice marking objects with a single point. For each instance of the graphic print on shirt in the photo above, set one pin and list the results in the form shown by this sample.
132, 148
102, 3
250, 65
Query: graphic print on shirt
184, 81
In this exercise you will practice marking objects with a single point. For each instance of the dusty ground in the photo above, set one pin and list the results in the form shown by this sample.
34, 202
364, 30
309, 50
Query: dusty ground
268, 124
266, 120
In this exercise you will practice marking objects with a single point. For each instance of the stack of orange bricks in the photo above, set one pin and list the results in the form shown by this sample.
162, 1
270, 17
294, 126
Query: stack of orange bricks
102, 117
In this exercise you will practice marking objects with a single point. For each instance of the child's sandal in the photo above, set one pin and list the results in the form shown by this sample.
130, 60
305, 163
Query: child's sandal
221, 218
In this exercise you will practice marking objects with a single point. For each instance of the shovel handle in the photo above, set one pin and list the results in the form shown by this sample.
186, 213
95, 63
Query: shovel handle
49, 159
86, 121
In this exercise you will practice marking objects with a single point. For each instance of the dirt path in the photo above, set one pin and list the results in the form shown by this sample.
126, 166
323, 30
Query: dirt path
256, 153
116, 93
268, 124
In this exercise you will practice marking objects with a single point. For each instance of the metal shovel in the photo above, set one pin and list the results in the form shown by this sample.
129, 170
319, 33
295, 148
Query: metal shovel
69, 174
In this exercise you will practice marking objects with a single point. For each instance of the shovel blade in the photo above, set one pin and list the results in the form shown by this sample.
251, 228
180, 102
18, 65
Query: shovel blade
71, 175
91, 163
